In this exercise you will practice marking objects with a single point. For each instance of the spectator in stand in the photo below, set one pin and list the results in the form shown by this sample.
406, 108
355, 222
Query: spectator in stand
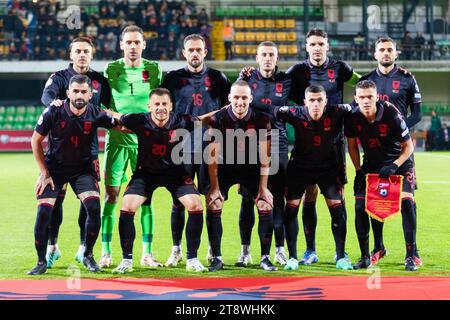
434, 131
172, 46
100, 44
407, 45
174, 27
10, 22
26, 50
202, 17
205, 31
61, 47
122, 5
92, 30
228, 38
31, 23
420, 42
446, 136
110, 46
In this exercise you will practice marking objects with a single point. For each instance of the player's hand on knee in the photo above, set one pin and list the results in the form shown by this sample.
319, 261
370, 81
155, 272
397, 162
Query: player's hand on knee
212, 196
42, 182
265, 195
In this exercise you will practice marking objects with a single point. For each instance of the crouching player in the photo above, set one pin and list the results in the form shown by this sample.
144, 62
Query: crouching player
245, 162
156, 132
314, 160
388, 150
71, 131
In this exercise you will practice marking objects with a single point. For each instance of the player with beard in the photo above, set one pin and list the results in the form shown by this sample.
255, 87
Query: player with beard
399, 88
71, 131
196, 90
54, 94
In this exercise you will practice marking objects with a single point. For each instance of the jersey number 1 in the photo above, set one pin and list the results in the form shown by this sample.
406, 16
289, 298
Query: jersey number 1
131, 88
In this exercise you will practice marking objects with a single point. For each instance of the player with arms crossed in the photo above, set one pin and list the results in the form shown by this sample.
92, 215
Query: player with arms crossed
252, 174
157, 131
71, 131
196, 90
388, 150
131, 78
81, 53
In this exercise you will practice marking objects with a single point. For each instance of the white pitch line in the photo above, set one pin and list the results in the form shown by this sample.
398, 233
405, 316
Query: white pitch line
428, 154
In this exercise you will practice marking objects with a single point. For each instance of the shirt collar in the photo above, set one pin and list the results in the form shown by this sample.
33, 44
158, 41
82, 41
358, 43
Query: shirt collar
72, 70
260, 76
70, 113
201, 72
231, 113
324, 66
394, 70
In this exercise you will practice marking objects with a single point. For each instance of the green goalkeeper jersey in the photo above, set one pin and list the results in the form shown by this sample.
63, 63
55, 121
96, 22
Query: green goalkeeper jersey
130, 87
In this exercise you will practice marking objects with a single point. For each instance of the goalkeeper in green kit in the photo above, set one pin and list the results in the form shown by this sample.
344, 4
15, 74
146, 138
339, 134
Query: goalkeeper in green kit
131, 79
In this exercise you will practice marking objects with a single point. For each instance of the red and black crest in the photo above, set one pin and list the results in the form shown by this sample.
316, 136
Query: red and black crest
254, 85
62, 124
188, 180
208, 81
250, 126
184, 82
330, 74
94, 84
171, 135
87, 127
279, 87
147, 133
145, 74
395, 85
359, 127
327, 124
383, 128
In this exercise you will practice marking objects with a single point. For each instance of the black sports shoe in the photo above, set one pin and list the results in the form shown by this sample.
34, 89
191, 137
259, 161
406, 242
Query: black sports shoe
216, 264
91, 265
267, 265
363, 263
410, 265
39, 268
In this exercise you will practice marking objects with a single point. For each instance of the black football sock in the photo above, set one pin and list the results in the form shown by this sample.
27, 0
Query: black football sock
362, 226
409, 225
278, 219
127, 232
339, 228
56, 218
265, 230
43, 217
377, 228
194, 228
246, 219
82, 217
214, 227
309, 218
291, 223
177, 218
93, 224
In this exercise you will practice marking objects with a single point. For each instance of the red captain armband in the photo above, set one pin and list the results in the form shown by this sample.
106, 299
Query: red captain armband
383, 196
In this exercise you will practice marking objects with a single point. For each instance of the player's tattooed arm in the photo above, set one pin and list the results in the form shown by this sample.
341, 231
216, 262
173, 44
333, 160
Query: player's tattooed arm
38, 151
354, 153
264, 156
407, 151
119, 125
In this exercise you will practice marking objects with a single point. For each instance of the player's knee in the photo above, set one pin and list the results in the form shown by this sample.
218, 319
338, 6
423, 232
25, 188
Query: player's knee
332, 203
44, 213
112, 194
263, 206
194, 204
216, 205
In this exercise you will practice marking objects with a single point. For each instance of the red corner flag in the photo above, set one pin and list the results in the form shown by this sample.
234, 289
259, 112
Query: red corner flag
383, 196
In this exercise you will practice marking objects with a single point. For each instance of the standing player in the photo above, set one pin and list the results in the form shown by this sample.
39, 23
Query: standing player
71, 132
331, 74
81, 53
388, 150
131, 78
252, 130
196, 90
314, 161
157, 131
269, 86
401, 89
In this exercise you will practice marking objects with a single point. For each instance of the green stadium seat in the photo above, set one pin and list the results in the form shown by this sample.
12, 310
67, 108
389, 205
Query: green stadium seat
9, 119
31, 109
2, 109
11, 110
7, 126
277, 11
28, 126
19, 119
18, 126
2, 118
220, 12
21, 110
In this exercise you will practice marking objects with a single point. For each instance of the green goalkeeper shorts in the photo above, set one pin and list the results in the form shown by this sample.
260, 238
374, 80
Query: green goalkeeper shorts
116, 163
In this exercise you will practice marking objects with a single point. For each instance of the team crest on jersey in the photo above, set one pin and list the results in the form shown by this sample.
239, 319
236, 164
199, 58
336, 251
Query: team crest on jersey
207, 82
305, 124
395, 86
292, 110
172, 136
254, 85
359, 127
94, 84
145, 76
331, 75
383, 129
279, 87
87, 127
62, 124
188, 180
184, 82
147, 133
327, 124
